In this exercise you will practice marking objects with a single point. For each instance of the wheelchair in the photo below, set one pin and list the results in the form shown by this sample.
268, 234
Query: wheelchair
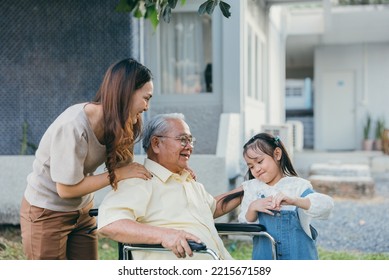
224, 229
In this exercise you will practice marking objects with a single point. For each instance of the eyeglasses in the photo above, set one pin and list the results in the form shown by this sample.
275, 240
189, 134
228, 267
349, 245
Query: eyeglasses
184, 140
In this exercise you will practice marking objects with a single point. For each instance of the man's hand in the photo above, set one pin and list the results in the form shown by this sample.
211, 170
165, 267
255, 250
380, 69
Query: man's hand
177, 242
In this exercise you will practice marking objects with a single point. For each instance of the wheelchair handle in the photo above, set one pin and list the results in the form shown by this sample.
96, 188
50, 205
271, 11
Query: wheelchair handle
93, 212
194, 246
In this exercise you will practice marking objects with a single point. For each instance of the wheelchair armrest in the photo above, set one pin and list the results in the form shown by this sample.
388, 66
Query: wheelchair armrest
194, 246
239, 227
125, 249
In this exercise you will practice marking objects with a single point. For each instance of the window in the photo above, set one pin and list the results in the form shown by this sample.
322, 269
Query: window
186, 54
254, 57
294, 91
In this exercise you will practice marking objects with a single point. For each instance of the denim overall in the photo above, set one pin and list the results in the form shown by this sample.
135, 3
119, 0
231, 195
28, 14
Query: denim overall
292, 243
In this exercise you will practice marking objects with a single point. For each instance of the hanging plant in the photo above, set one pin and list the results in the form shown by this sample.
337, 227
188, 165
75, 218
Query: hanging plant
154, 10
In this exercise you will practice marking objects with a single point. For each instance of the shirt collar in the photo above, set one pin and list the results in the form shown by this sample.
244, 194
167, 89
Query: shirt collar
163, 173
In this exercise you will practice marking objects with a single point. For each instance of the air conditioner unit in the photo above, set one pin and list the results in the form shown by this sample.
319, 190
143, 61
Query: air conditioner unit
285, 132
298, 134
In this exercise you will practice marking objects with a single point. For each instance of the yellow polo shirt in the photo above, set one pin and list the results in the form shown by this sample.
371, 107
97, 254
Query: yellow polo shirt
167, 200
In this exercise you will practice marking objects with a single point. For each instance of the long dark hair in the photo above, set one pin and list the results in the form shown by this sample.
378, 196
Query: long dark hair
265, 143
115, 94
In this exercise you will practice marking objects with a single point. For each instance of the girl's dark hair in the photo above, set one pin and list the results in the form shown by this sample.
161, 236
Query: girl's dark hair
265, 143
115, 94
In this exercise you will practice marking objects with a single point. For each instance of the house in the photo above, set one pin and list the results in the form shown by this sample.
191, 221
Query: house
344, 50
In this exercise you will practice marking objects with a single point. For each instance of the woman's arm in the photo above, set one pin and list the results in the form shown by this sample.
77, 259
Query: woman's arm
96, 182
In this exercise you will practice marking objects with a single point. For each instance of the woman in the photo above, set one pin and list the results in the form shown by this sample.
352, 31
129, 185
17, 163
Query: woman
54, 210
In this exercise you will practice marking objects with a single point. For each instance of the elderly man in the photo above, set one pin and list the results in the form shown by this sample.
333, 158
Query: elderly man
171, 207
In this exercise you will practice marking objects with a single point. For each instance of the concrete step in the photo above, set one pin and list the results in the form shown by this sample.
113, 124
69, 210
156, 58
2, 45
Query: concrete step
346, 187
343, 170
342, 180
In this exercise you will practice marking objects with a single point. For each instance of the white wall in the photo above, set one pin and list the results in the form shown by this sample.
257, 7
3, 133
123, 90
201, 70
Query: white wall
369, 64
356, 24
210, 171
228, 143
276, 66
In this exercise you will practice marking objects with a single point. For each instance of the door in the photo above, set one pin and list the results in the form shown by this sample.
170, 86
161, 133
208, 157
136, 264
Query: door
338, 112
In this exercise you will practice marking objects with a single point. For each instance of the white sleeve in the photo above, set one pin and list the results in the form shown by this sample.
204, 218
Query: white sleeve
321, 206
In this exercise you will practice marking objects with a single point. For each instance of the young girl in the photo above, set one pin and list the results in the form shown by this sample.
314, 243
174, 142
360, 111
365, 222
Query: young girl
285, 204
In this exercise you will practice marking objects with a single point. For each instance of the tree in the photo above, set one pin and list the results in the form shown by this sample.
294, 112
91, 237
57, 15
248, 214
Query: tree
153, 10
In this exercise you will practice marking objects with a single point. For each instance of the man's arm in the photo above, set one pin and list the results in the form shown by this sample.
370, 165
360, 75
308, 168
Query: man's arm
224, 208
128, 231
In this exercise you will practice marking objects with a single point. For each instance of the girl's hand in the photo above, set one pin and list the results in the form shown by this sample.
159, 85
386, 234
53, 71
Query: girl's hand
133, 170
264, 205
281, 199
268, 204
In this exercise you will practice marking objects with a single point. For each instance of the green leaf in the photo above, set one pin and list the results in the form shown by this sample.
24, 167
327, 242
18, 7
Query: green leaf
202, 8
152, 15
126, 6
211, 6
166, 13
225, 9
149, 3
138, 13
172, 3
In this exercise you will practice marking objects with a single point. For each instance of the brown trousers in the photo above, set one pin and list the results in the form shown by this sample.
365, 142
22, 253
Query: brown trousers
52, 235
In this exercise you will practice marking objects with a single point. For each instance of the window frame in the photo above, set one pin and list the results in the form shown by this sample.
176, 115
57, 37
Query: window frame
152, 59
255, 47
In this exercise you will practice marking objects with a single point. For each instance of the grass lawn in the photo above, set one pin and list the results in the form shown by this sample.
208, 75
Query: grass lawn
11, 249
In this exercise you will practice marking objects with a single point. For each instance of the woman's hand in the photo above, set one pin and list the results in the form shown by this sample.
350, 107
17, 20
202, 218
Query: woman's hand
191, 172
132, 170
